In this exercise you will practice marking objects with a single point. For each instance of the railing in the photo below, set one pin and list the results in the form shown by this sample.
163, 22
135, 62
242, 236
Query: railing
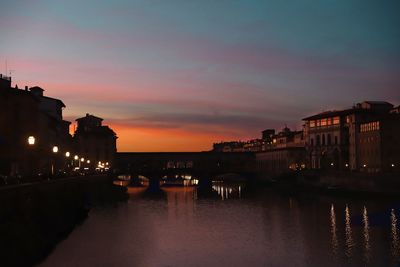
4, 77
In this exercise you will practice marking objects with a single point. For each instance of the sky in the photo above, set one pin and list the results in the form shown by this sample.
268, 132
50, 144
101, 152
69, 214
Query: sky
179, 75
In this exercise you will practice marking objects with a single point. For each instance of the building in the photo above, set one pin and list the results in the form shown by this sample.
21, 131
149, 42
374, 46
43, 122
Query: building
29, 114
94, 141
360, 138
285, 153
231, 146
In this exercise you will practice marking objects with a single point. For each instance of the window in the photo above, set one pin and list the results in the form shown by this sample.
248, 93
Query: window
336, 140
312, 141
312, 124
370, 126
318, 140
323, 139
329, 140
336, 120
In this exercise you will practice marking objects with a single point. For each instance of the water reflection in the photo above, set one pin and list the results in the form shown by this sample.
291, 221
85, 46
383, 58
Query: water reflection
367, 245
180, 201
334, 240
348, 233
395, 237
226, 191
261, 229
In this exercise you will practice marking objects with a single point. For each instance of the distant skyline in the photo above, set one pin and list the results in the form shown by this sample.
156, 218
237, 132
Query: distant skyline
179, 75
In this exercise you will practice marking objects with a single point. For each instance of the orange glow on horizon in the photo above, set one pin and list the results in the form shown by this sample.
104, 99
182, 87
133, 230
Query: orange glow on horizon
134, 139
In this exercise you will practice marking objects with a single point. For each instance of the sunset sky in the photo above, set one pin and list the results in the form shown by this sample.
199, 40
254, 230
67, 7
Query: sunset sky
178, 75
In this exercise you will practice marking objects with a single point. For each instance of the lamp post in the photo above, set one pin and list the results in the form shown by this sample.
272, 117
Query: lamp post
69, 163
55, 151
31, 142
81, 162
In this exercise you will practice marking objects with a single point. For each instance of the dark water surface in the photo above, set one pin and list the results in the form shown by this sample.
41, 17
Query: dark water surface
231, 226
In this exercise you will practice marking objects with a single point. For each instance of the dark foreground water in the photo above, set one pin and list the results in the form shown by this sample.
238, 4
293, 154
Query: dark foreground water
234, 227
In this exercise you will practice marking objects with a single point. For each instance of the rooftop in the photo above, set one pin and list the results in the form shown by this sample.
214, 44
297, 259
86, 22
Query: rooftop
88, 116
4, 77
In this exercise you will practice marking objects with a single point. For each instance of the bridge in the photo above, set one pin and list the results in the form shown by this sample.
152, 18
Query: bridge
202, 165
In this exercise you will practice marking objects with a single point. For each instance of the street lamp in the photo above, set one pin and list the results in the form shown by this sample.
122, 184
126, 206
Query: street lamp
82, 159
31, 143
67, 154
76, 157
88, 161
31, 140
55, 150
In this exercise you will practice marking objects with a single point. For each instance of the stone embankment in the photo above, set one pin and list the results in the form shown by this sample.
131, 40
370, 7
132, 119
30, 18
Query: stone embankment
35, 217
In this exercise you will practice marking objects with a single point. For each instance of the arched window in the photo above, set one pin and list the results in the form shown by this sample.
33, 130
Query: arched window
312, 141
318, 140
329, 140
323, 139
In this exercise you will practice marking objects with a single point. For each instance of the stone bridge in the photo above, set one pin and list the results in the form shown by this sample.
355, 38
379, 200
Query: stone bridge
199, 164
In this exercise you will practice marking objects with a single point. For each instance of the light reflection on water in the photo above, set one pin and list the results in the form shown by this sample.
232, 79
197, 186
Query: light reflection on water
226, 191
182, 227
367, 245
349, 238
334, 242
395, 246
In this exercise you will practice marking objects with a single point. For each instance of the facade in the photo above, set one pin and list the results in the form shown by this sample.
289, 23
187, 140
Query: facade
25, 113
94, 141
231, 146
285, 153
360, 138
379, 146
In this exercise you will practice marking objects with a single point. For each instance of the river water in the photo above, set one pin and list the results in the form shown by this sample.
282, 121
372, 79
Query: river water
230, 225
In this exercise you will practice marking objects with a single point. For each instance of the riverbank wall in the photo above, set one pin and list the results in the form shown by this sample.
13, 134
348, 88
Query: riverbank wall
35, 217
333, 181
379, 183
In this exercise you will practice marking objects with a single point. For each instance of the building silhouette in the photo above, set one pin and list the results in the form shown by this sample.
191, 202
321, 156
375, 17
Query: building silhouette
27, 113
95, 141
35, 139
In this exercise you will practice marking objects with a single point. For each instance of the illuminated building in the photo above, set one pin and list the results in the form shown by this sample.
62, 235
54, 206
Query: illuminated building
285, 153
360, 138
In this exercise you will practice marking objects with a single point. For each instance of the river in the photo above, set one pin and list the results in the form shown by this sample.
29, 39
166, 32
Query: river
230, 225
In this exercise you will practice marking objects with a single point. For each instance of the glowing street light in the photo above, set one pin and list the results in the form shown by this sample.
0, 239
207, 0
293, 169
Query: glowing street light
31, 140
76, 157
82, 159
88, 161
55, 149
67, 154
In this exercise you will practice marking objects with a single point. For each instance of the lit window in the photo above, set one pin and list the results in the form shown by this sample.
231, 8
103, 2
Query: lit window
336, 120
